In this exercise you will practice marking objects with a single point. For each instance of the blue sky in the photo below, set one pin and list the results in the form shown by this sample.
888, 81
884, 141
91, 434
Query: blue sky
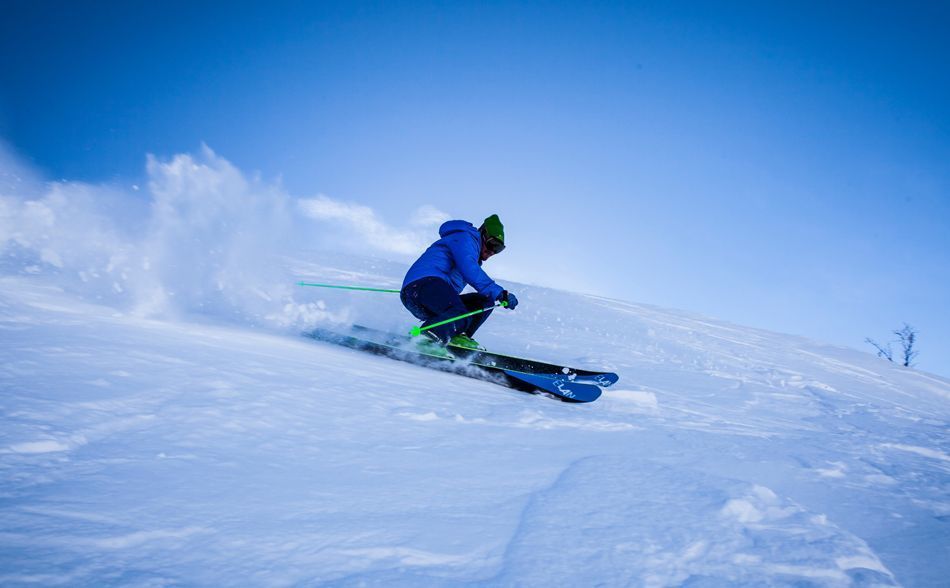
781, 166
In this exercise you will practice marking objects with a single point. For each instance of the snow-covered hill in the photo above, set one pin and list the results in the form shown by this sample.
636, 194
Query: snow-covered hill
162, 422
145, 452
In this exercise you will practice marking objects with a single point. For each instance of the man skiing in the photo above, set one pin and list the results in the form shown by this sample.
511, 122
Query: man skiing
432, 288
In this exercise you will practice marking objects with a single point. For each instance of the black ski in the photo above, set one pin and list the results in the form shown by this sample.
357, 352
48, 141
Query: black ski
501, 361
565, 383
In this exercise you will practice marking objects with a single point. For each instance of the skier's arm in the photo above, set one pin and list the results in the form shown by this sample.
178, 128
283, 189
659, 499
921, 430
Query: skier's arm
465, 251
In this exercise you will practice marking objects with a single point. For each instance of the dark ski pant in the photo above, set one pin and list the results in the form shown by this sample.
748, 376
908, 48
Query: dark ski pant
433, 299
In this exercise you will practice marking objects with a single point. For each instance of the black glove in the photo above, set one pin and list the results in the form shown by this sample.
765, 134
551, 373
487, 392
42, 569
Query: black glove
510, 300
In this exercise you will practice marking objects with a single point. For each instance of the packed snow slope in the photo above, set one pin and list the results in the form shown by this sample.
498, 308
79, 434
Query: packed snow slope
164, 452
163, 421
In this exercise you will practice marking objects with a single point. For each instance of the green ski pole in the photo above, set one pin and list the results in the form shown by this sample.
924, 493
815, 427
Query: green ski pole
416, 331
348, 287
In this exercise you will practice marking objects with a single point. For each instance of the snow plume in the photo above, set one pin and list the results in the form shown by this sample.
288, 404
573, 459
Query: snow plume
213, 235
203, 238
84, 234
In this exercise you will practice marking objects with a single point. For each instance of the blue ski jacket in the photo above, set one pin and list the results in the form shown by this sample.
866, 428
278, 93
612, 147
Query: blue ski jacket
455, 259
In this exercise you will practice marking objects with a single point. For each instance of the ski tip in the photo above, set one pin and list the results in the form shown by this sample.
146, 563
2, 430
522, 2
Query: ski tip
558, 386
415, 331
603, 380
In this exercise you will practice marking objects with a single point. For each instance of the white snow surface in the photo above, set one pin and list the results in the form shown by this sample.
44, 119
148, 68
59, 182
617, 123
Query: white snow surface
167, 425
158, 452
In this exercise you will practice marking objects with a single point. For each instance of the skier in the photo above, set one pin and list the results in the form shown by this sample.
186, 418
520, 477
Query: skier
432, 288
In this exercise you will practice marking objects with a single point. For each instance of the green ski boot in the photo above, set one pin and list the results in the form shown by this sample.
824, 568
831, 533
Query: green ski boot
462, 340
431, 345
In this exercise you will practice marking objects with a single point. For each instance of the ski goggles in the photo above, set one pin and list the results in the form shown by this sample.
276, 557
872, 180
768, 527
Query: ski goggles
494, 245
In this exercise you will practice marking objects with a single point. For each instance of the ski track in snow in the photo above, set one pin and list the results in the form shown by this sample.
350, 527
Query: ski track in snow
145, 452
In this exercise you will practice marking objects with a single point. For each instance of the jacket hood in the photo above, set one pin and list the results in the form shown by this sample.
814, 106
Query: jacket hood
456, 226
